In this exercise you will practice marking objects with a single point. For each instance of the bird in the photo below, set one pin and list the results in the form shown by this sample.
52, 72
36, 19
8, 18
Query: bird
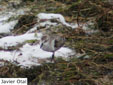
52, 43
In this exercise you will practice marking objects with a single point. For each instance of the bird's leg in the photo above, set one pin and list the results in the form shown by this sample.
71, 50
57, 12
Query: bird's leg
52, 59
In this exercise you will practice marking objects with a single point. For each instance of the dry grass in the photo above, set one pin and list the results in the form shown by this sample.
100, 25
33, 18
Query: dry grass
98, 69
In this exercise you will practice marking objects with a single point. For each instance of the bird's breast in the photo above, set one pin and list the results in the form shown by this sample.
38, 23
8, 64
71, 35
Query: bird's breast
48, 48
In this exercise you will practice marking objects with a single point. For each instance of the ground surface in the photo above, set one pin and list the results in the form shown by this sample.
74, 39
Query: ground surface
95, 70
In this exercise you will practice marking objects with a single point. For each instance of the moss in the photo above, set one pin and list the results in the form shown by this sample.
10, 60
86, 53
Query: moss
30, 41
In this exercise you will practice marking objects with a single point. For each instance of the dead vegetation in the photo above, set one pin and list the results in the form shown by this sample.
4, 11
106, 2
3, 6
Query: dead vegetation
96, 70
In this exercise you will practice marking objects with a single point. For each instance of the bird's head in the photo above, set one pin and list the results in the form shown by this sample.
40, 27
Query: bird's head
44, 39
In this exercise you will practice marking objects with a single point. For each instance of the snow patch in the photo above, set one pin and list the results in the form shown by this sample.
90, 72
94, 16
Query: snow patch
58, 17
14, 40
5, 28
45, 17
29, 55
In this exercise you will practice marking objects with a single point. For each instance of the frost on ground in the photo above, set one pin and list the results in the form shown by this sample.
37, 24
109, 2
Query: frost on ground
29, 55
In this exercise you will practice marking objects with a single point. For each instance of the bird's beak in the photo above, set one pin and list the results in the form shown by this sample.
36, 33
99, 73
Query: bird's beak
41, 45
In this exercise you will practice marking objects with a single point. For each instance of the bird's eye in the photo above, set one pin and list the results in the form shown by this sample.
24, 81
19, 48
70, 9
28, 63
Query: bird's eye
45, 41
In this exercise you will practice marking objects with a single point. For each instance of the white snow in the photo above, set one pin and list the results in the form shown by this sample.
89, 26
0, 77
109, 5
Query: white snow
28, 55
2, 18
14, 40
6, 27
61, 19
58, 17
47, 23
43, 20
32, 29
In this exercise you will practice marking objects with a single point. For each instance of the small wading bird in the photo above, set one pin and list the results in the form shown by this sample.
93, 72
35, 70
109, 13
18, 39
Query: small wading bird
52, 43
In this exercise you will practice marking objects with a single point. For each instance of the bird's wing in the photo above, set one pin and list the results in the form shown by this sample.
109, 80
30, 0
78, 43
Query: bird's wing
59, 43
56, 44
